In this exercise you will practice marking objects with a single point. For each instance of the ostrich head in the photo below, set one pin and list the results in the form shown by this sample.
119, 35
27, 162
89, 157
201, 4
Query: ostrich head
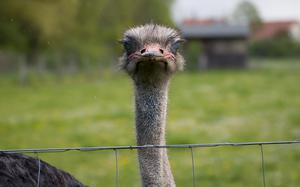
151, 52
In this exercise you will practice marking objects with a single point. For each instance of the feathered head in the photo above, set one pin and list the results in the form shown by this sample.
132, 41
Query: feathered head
151, 48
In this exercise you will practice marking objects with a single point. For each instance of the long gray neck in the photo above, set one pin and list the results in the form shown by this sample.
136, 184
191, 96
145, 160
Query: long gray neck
151, 109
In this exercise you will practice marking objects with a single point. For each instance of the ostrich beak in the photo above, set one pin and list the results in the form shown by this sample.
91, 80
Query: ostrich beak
152, 52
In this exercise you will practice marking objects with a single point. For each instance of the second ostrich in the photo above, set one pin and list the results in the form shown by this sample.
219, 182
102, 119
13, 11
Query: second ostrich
151, 58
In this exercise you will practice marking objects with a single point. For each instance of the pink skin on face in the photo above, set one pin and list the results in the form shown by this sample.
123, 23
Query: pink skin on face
152, 51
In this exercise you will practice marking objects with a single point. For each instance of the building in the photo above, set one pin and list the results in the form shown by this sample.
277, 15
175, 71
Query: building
224, 44
270, 30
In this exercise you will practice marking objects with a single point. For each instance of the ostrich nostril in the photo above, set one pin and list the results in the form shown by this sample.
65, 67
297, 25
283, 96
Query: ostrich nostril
162, 51
143, 51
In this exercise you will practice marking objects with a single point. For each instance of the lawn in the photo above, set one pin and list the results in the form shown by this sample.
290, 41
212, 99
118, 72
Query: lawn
258, 104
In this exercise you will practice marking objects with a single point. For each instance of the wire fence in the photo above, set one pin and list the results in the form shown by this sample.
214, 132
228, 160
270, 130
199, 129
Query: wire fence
131, 147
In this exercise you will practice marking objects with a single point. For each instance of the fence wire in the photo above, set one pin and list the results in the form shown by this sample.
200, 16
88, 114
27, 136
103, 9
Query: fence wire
39, 170
117, 167
102, 148
193, 167
263, 165
130, 147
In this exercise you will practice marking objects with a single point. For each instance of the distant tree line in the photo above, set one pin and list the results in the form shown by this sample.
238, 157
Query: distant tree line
59, 32
280, 46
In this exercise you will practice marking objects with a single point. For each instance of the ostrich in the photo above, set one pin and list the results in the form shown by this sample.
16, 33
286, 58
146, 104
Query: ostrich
17, 170
150, 59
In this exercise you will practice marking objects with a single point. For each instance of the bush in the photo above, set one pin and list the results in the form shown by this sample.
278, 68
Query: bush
282, 46
191, 51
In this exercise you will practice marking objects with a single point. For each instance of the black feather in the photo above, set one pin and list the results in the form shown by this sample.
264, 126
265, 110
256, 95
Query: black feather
17, 170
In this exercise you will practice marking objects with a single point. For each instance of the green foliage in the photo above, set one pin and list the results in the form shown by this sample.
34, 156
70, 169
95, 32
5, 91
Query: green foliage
38, 20
246, 12
281, 46
192, 49
260, 104
86, 30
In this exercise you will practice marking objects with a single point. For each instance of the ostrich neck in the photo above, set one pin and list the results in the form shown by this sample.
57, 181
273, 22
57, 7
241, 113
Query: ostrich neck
151, 108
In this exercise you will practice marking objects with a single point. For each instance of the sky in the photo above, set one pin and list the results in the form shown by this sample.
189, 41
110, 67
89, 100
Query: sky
268, 9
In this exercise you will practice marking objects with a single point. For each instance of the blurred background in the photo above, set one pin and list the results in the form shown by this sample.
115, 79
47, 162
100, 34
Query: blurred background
60, 86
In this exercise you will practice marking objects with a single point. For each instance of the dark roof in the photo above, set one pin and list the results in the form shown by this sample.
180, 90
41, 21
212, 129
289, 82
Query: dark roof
210, 31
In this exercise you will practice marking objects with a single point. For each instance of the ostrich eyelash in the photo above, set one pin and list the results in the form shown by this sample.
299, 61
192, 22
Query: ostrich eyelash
176, 45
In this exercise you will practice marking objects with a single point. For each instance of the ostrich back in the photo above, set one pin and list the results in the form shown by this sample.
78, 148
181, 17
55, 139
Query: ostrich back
17, 170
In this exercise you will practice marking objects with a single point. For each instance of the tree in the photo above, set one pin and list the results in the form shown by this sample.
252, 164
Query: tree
35, 25
73, 28
246, 12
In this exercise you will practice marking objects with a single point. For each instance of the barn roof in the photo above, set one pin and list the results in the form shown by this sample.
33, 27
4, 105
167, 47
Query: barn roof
269, 30
214, 30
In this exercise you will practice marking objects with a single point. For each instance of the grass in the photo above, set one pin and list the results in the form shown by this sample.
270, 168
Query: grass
258, 104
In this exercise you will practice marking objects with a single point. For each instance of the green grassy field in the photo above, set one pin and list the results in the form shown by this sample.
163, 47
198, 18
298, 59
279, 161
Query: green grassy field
258, 104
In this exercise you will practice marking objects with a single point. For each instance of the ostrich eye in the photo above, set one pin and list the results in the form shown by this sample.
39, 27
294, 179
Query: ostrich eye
175, 46
129, 45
